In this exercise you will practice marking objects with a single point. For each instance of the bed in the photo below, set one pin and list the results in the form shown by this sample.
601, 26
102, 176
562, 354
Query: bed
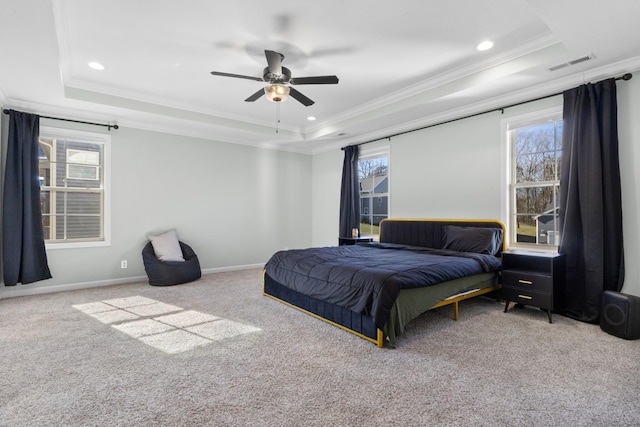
374, 290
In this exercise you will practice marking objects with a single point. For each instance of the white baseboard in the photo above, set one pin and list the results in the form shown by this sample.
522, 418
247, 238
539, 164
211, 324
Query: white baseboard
232, 268
21, 290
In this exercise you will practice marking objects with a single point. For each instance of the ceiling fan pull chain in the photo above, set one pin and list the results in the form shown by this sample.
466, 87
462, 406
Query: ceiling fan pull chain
277, 116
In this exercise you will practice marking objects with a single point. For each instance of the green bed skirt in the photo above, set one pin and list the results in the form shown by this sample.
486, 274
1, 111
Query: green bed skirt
413, 302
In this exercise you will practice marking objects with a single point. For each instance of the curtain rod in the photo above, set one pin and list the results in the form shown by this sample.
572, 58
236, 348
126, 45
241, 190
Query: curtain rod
108, 126
626, 76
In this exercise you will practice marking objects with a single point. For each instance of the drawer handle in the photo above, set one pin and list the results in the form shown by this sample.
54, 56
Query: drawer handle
525, 296
525, 282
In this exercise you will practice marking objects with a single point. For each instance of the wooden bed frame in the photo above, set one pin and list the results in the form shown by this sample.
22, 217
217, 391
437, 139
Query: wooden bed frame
415, 232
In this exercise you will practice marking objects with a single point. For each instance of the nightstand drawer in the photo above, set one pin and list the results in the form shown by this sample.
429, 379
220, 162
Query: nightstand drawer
527, 281
518, 295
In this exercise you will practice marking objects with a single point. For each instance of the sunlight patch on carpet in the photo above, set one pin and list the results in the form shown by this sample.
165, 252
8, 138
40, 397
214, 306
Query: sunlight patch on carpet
186, 318
221, 329
93, 307
149, 321
176, 341
129, 301
143, 327
153, 309
114, 316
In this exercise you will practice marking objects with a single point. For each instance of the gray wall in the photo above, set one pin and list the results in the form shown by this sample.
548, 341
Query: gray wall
629, 135
234, 204
327, 175
455, 171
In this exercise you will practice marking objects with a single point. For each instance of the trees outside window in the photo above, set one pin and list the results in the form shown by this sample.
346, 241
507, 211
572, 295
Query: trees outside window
373, 170
536, 150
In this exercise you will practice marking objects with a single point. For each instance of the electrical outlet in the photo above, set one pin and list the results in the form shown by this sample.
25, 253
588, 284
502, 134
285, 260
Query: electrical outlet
123, 263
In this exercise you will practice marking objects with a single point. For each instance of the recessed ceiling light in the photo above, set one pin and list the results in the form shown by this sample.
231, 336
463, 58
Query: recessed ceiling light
485, 45
96, 66
311, 118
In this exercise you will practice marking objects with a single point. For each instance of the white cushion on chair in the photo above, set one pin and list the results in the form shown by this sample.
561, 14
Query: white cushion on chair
166, 246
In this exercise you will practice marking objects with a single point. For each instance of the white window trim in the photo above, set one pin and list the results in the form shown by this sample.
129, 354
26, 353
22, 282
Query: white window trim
506, 125
99, 138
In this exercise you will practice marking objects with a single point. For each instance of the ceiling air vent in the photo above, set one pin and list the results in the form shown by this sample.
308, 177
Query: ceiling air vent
572, 62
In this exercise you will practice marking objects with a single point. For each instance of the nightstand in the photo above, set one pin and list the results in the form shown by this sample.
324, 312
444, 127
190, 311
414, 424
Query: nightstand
533, 278
344, 241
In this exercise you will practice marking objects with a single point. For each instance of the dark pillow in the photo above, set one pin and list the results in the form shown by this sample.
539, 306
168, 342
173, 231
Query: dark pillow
472, 239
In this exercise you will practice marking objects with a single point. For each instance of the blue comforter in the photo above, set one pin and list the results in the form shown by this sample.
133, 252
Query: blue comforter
367, 278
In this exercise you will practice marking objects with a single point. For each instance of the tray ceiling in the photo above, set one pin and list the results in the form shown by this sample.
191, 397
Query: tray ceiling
401, 64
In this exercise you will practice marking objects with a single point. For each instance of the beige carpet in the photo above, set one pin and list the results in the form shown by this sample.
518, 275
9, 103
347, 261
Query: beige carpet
216, 352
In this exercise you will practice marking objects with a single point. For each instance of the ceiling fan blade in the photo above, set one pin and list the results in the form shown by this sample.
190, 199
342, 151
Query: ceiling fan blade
318, 80
255, 96
300, 97
238, 76
274, 59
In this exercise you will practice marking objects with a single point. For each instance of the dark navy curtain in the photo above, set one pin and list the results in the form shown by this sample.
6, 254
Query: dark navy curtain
24, 259
590, 199
350, 192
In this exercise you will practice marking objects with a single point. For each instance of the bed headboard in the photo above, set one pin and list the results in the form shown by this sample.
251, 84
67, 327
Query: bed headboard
429, 233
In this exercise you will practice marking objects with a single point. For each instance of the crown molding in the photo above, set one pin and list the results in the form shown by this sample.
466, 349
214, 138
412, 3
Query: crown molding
548, 88
171, 126
546, 41
80, 89
290, 142
4, 99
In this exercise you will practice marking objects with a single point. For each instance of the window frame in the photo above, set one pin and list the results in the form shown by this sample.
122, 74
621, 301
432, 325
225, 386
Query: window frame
87, 165
373, 153
509, 186
51, 132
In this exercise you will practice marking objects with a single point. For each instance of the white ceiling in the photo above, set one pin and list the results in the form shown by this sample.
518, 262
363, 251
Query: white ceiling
402, 64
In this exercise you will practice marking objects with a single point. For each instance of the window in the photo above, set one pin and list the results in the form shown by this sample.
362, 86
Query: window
535, 147
373, 170
74, 187
83, 164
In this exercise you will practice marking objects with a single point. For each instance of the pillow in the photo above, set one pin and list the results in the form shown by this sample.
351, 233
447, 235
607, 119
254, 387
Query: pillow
472, 239
166, 246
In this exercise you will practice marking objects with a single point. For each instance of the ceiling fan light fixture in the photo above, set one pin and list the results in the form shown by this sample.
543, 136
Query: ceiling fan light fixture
277, 92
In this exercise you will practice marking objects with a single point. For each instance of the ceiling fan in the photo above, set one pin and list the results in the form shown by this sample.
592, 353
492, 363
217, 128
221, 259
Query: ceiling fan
279, 79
